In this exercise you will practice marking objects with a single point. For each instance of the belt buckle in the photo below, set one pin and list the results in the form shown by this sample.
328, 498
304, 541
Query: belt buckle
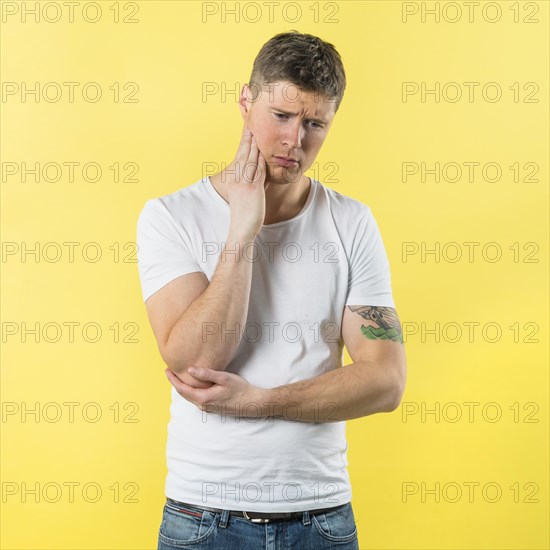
256, 520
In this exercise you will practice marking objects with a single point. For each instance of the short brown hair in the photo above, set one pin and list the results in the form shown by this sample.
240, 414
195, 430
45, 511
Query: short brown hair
305, 60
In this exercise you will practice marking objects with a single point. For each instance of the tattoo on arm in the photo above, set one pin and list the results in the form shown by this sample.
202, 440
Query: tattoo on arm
387, 325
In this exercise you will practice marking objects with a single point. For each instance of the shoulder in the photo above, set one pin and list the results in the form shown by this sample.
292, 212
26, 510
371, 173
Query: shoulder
179, 204
347, 212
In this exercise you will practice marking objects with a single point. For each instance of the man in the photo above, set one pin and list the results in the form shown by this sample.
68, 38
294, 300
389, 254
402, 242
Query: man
254, 279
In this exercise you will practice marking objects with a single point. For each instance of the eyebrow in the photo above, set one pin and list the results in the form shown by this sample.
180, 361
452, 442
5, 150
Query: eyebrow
320, 120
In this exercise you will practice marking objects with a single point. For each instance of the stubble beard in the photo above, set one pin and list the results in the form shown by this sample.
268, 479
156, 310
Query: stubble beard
282, 175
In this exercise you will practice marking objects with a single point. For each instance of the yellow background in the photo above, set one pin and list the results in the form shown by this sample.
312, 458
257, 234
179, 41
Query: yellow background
170, 52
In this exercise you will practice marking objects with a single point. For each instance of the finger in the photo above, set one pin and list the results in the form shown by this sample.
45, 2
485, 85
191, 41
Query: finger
252, 162
260, 169
172, 376
202, 373
244, 145
263, 166
183, 389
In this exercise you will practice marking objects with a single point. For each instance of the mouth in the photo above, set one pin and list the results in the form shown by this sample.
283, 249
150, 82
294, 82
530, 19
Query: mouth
286, 161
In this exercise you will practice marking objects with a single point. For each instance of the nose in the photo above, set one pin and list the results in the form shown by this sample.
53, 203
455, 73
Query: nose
292, 137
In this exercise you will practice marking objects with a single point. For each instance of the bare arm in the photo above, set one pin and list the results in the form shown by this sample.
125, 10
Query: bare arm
197, 323
373, 383
356, 390
210, 330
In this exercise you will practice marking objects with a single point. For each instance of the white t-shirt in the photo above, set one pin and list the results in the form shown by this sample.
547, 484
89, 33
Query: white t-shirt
306, 270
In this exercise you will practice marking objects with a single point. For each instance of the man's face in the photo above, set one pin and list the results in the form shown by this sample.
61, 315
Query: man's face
287, 122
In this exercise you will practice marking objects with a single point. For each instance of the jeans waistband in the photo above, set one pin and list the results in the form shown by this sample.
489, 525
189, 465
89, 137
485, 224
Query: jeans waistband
256, 517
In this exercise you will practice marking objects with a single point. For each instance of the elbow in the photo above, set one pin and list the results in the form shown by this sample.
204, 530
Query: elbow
175, 362
394, 401
179, 364
395, 394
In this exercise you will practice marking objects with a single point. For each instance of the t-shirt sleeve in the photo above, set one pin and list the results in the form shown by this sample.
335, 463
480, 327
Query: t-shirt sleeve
162, 251
370, 277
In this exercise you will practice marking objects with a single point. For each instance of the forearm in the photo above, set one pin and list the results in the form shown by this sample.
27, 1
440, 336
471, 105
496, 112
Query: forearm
356, 390
210, 330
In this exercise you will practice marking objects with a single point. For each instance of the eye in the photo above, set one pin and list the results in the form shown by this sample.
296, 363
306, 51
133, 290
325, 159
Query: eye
315, 125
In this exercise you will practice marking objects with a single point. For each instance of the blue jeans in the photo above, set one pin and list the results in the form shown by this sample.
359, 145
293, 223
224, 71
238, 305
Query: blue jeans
201, 529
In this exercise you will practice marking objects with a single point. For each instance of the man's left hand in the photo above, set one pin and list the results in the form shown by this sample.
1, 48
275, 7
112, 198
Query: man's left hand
229, 393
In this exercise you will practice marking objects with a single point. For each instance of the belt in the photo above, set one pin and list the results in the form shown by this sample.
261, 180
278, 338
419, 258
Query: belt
255, 517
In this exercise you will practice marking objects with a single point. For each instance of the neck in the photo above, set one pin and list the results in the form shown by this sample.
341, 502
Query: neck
283, 201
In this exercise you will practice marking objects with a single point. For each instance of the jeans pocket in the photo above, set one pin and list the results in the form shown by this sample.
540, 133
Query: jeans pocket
337, 525
184, 525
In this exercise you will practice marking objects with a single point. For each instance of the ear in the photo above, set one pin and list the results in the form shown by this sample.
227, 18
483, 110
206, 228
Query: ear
245, 101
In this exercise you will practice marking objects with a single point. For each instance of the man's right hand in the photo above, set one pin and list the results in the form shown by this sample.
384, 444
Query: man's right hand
246, 185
